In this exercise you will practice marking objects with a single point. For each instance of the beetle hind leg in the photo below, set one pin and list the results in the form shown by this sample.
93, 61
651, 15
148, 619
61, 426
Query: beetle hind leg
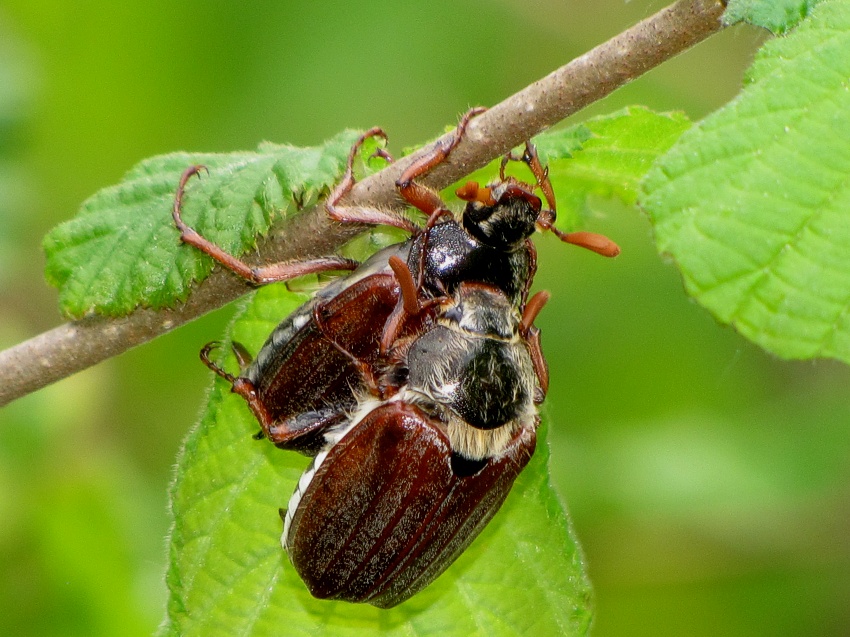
206, 360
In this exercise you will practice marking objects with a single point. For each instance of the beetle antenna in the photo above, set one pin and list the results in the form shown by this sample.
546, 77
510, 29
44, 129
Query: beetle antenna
598, 243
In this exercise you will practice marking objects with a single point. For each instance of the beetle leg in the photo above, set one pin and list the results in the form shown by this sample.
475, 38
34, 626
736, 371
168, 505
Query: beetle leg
541, 174
392, 328
258, 275
409, 297
288, 270
360, 214
541, 369
408, 303
206, 360
422, 197
243, 387
304, 436
532, 309
531, 335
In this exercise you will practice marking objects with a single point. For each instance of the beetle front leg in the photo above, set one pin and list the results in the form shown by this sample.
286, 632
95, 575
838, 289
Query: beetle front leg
361, 214
541, 173
408, 303
422, 197
258, 275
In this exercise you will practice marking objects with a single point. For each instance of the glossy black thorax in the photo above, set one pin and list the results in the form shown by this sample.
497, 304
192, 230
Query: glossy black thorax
453, 256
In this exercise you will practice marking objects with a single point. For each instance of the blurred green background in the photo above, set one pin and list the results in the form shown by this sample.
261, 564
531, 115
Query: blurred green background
709, 482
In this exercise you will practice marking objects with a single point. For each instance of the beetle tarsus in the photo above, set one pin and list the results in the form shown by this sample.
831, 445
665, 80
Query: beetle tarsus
205, 358
369, 216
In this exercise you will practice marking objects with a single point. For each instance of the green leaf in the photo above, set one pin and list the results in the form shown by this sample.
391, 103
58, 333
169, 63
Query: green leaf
122, 250
778, 16
754, 202
606, 156
229, 576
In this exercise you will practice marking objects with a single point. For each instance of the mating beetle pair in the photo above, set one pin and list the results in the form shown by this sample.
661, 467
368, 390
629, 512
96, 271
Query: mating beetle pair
425, 371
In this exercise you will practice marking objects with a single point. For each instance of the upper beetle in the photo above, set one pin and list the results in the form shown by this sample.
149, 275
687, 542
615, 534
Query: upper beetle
489, 244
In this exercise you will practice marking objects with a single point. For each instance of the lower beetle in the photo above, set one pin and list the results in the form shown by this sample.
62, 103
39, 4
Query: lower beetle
407, 482
404, 481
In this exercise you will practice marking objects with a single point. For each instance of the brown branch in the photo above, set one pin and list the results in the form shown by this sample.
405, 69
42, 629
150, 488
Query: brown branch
77, 345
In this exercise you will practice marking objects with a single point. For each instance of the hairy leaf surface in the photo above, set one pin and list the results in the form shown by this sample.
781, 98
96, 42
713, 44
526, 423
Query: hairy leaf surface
754, 202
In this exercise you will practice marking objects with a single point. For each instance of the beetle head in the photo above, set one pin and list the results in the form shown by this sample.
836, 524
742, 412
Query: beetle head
482, 310
501, 215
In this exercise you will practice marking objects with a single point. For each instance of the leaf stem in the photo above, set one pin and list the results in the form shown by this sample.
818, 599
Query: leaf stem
77, 345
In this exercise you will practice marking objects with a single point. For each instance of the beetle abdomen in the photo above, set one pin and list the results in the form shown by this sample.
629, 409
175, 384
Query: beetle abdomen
384, 514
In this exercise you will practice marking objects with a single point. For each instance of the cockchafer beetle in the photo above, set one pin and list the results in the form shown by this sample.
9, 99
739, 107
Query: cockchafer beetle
489, 244
403, 482
413, 474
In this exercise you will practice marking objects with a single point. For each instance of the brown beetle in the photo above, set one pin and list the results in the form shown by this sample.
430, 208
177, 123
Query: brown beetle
409, 479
